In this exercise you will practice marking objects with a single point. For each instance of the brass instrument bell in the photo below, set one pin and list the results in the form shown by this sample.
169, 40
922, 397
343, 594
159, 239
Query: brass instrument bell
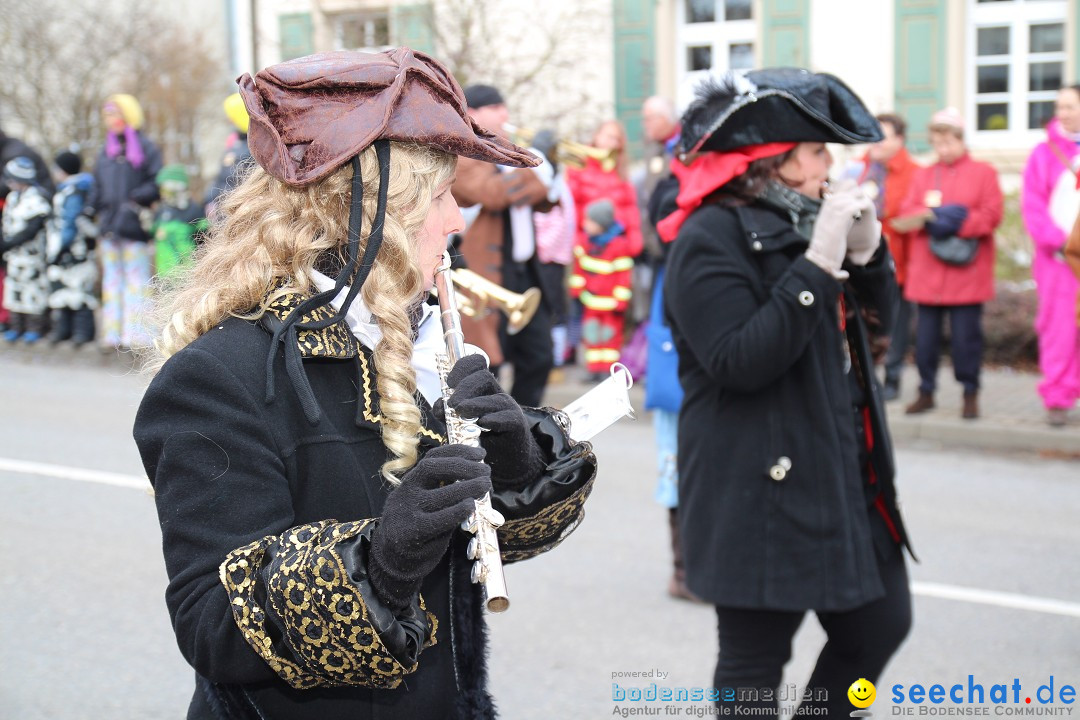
478, 294
568, 152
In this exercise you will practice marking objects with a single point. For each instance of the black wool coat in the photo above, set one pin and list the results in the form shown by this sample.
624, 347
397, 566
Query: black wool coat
780, 508
266, 520
121, 191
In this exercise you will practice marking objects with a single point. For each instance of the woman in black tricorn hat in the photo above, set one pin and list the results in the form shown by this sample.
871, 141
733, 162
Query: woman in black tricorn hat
316, 568
777, 291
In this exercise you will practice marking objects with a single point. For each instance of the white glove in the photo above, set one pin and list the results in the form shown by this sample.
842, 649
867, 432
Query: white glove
864, 237
828, 242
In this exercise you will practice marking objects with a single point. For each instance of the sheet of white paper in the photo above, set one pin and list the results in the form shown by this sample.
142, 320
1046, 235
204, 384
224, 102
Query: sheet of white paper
597, 409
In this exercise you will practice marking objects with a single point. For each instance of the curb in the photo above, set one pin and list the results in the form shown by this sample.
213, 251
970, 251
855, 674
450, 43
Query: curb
985, 433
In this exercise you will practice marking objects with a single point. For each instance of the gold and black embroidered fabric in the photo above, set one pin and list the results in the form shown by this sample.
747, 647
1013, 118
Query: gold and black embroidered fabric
338, 342
528, 537
329, 638
369, 403
542, 514
335, 341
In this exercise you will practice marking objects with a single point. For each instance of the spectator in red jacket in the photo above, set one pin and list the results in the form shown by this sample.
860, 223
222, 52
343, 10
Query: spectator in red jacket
956, 196
600, 181
601, 282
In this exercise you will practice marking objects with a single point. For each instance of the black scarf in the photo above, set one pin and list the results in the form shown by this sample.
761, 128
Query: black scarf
802, 210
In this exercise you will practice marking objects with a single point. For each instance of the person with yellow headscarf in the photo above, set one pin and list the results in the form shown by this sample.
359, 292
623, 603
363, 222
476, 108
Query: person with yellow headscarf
237, 157
124, 178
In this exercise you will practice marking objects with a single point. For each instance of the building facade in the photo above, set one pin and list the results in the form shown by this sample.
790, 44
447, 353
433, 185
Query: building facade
553, 61
999, 61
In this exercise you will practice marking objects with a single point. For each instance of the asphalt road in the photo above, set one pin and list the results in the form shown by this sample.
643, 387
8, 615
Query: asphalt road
84, 632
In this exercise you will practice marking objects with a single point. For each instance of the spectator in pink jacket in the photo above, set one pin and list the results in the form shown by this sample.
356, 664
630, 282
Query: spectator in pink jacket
961, 197
1051, 202
556, 231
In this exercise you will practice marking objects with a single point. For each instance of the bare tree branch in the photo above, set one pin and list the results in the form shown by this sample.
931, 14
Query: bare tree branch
543, 61
71, 56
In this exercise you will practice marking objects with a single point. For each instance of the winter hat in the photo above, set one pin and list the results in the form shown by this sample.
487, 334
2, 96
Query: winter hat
175, 174
21, 169
237, 113
69, 162
774, 105
601, 212
546, 142
948, 117
478, 96
129, 108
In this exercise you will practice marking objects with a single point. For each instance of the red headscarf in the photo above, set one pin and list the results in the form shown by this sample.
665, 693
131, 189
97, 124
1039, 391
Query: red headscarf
708, 172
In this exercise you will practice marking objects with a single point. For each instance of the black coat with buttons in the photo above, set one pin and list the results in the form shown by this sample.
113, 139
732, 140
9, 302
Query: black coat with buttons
781, 500
266, 518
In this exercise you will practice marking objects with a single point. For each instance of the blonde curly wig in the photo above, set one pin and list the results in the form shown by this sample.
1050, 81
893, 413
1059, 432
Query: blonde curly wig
271, 236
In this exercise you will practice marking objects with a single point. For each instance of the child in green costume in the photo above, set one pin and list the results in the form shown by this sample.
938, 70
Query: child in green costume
178, 223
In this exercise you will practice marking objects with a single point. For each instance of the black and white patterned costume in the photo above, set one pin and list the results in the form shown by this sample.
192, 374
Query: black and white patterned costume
26, 288
70, 240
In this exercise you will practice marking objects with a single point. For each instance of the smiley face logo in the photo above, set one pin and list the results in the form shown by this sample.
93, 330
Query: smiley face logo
862, 693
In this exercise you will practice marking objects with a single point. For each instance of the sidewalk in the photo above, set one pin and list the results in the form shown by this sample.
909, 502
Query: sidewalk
1012, 414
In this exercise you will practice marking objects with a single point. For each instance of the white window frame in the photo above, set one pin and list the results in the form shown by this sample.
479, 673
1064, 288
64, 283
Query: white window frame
1018, 16
719, 35
337, 19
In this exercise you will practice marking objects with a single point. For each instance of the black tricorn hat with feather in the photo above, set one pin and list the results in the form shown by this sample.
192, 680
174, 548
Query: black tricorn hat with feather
775, 105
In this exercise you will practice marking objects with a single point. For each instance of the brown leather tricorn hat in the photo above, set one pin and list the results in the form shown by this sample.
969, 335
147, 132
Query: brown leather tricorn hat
311, 115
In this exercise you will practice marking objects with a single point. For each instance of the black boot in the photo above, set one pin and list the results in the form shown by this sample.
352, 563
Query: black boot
82, 326
62, 322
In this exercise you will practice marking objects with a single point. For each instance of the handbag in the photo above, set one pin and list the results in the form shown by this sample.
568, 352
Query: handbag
662, 389
953, 250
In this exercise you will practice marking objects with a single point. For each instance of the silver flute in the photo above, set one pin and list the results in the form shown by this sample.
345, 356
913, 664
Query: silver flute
483, 523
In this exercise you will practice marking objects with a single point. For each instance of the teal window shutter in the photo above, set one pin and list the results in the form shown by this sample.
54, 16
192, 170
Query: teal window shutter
297, 36
785, 33
635, 65
919, 65
413, 27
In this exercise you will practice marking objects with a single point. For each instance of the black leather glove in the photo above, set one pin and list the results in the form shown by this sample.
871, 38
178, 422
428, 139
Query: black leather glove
512, 451
420, 516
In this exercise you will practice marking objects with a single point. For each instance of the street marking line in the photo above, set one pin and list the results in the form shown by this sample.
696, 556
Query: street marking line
945, 592
1000, 599
73, 473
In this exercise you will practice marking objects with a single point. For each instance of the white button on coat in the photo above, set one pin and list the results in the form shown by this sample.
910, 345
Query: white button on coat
806, 298
780, 470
